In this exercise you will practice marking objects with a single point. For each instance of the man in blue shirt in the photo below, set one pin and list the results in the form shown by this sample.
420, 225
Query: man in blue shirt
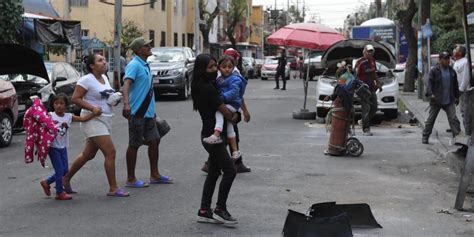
139, 109
443, 91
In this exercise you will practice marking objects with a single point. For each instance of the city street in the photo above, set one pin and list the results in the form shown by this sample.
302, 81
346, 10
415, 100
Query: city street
409, 187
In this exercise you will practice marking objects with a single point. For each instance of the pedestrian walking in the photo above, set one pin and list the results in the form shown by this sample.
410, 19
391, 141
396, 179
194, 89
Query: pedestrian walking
280, 71
301, 67
91, 94
206, 101
443, 91
231, 88
462, 67
58, 151
240, 167
366, 71
139, 110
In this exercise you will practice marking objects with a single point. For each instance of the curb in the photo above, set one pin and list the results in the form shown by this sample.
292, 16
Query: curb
455, 162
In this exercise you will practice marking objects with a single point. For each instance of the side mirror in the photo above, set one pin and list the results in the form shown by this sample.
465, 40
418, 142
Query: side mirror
58, 79
191, 60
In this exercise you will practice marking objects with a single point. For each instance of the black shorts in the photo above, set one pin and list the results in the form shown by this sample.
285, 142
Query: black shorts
141, 129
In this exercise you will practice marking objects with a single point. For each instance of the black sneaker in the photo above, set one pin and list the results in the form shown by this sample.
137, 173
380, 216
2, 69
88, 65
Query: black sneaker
224, 217
424, 140
206, 216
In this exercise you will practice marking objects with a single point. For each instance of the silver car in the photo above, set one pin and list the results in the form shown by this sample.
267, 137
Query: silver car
350, 51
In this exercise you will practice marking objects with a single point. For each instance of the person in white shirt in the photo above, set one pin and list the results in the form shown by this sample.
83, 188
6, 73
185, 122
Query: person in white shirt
462, 67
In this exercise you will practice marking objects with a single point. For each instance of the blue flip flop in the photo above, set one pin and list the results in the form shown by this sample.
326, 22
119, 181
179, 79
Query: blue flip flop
162, 180
137, 184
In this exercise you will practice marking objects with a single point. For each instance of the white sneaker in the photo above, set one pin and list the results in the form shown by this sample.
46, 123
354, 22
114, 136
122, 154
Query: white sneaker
236, 154
367, 133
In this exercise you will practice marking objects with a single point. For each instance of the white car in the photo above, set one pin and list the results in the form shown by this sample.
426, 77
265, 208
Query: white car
269, 68
315, 68
350, 51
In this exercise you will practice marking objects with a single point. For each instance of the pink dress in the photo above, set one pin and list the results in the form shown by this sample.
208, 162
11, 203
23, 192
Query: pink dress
40, 131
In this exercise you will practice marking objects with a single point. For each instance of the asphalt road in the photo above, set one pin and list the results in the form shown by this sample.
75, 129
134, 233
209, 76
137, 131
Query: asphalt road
405, 183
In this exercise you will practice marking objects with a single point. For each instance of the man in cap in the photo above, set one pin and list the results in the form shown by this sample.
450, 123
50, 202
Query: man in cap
139, 109
443, 91
367, 73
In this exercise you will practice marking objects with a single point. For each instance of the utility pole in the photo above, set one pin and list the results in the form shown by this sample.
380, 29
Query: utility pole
288, 12
117, 36
66, 16
378, 8
197, 21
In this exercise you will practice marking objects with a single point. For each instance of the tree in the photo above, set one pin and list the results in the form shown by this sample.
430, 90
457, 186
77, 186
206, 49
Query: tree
295, 14
234, 16
130, 31
405, 16
208, 18
10, 19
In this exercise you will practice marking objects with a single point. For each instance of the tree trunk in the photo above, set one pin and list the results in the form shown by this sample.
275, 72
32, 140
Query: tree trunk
230, 35
406, 18
205, 40
425, 14
378, 8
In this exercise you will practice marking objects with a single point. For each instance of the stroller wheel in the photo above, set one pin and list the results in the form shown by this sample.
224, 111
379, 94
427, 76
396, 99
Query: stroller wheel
354, 147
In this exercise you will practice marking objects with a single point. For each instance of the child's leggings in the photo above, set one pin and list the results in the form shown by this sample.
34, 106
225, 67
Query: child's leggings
58, 158
220, 122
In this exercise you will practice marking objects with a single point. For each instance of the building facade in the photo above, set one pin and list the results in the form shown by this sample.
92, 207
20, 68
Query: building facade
167, 22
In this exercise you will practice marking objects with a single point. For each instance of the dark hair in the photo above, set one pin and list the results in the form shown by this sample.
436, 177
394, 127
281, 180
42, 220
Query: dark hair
239, 63
225, 58
88, 61
199, 75
54, 98
462, 50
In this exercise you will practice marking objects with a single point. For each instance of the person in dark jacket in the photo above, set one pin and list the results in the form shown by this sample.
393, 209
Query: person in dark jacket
443, 92
280, 72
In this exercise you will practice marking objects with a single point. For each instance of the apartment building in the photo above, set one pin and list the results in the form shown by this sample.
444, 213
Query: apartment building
167, 22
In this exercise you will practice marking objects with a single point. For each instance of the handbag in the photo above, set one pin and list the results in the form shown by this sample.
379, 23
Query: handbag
162, 125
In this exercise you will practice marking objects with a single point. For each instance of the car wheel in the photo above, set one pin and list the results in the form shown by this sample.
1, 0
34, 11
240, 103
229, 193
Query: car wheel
391, 113
322, 112
263, 78
183, 94
6, 129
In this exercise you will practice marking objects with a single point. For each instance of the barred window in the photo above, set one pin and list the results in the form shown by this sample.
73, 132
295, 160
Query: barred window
79, 3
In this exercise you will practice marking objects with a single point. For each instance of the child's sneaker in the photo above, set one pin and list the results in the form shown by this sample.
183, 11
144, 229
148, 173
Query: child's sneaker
213, 139
236, 155
63, 196
206, 216
224, 216
46, 187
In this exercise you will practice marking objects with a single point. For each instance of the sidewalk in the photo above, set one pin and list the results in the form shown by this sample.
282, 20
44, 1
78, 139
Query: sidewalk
440, 140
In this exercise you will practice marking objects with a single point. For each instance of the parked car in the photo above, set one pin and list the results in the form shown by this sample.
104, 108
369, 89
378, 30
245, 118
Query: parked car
293, 61
351, 51
258, 67
8, 112
18, 59
249, 67
315, 68
172, 69
269, 68
400, 69
63, 79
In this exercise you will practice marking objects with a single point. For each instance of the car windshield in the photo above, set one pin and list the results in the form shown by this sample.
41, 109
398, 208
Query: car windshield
166, 55
271, 61
315, 54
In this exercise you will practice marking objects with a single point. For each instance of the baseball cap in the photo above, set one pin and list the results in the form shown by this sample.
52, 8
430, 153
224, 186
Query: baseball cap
233, 53
369, 47
137, 43
444, 55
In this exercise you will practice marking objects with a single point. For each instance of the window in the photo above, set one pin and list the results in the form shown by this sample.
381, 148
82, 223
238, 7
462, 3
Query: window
163, 5
175, 39
183, 40
79, 3
183, 7
84, 33
152, 4
152, 37
163, 39
175, 6
190, 40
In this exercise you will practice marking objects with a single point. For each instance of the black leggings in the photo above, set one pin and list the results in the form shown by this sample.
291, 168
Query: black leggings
219, 159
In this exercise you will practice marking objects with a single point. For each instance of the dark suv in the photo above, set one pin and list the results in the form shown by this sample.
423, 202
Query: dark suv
172, 69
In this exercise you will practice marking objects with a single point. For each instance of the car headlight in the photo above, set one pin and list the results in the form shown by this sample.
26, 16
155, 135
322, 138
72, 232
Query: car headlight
175, 72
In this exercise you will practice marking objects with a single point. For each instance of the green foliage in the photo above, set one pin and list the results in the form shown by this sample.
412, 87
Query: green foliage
448, 40
130, 31
10, 18
235, 15
56, 49
295, 14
